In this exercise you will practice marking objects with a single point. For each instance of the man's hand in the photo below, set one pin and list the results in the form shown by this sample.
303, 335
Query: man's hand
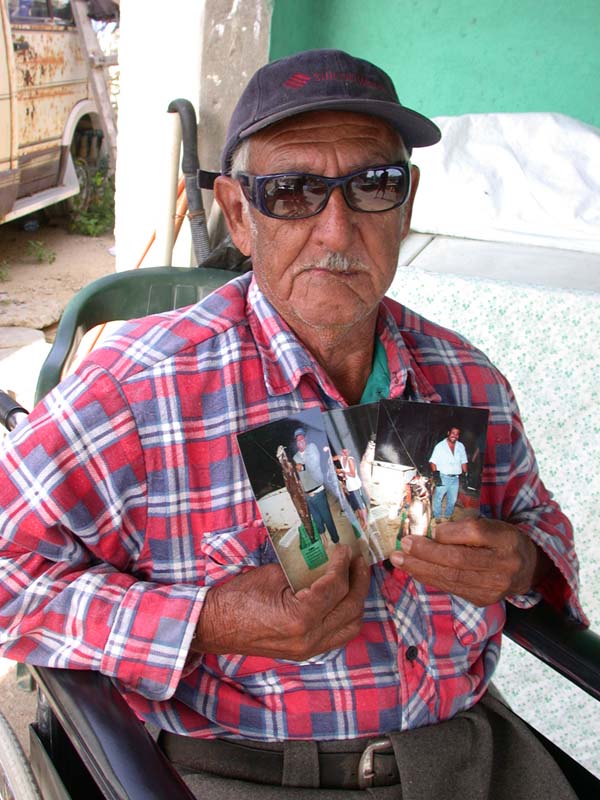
257, 613
481, 560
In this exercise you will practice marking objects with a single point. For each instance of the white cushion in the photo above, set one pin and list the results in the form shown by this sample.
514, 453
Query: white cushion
531, 178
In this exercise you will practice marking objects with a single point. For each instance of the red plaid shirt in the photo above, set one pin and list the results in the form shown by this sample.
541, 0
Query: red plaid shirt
124, 499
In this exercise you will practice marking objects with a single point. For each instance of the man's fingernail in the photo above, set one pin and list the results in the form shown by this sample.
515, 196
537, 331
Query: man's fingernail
406, 544
397, 559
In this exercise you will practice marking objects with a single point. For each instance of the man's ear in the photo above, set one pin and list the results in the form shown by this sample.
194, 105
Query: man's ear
408, 206
228, 194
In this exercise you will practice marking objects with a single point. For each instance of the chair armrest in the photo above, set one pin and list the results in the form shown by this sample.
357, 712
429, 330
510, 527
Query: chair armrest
113, 744
565, 645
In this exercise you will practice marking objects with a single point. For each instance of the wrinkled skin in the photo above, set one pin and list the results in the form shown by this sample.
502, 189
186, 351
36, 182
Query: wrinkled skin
258, 614
481, 560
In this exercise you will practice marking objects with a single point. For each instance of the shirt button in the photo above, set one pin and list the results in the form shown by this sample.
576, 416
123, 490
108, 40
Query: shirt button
412, 652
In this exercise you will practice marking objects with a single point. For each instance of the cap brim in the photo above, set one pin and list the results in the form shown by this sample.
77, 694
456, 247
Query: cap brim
415, 129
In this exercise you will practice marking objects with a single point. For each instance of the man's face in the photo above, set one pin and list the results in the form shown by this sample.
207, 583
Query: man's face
332, 269
453, 434
301, 443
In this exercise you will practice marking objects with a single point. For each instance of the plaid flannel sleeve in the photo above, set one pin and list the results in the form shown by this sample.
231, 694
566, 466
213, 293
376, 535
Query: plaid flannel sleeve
73, 499
526, 503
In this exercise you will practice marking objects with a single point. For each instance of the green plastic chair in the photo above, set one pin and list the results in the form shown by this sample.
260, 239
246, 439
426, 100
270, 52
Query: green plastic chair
121, 296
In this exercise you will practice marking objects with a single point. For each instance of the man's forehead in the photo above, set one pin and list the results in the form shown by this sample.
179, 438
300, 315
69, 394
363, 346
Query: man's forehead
321, 129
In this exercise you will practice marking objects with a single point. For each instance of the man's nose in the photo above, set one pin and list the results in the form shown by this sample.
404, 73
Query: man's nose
334, 226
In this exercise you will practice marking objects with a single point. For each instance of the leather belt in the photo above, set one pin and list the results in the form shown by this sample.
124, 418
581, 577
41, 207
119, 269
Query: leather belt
317, 490
374, 763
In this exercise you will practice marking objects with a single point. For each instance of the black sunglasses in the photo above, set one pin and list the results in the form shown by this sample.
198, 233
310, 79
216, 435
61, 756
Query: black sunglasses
297, 195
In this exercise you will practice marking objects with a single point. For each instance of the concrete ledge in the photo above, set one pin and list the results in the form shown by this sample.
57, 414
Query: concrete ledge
22, 353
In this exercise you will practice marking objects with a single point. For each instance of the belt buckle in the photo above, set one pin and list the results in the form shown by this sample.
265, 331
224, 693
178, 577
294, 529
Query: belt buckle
366, 765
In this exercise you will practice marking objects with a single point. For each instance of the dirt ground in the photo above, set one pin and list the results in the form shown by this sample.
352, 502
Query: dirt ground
37, 280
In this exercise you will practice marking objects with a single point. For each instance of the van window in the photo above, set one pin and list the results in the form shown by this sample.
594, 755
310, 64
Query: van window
25, 9
61, 9
39, 9
20, 9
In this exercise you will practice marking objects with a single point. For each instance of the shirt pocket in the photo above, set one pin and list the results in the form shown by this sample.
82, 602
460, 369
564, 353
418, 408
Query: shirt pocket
231, 551
473, 624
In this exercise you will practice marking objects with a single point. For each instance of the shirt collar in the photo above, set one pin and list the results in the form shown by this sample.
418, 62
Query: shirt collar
283, 357
285, 360
407, 379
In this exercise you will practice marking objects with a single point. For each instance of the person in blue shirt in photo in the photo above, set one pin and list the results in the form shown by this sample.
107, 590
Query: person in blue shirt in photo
449, 458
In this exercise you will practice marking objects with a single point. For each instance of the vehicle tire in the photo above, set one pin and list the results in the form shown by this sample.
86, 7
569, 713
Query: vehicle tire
16, 779
81, 201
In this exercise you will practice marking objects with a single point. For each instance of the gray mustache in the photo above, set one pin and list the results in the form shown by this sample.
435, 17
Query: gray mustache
338, 262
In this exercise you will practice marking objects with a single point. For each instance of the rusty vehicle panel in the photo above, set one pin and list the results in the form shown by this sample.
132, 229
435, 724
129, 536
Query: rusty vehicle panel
44, 99
8, 148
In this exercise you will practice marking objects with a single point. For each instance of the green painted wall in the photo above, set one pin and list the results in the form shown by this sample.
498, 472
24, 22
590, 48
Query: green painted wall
460, 56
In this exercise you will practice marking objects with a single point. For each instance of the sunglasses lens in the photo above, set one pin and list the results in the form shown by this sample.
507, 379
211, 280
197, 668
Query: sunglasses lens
378, 189
294, 196
299, 195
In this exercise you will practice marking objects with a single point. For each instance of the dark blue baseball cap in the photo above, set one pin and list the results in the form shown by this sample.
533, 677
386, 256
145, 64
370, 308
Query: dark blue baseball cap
320, 80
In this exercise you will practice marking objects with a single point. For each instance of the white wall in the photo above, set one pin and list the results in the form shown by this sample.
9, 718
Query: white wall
159, 57
164, 51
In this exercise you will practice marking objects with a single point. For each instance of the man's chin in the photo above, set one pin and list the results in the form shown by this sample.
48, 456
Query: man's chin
324, 317
319, 306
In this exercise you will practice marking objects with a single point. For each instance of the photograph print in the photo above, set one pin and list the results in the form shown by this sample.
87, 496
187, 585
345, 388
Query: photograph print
300, 495
426, 469
352, 434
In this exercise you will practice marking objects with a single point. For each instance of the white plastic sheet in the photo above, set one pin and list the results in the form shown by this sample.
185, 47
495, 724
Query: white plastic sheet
529, 178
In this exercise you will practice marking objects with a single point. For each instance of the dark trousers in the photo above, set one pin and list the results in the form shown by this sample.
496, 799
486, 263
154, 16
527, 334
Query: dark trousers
318, 506
485, 753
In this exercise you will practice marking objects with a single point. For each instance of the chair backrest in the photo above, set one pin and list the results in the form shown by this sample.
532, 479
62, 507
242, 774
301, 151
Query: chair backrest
122, 296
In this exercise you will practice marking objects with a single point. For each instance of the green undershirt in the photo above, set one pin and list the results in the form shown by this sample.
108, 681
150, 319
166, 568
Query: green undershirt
378, 382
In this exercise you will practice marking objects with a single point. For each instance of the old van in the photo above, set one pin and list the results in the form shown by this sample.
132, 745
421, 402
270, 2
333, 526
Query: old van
48, 118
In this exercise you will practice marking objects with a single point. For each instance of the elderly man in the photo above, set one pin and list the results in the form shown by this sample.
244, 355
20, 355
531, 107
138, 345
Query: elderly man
132, 544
